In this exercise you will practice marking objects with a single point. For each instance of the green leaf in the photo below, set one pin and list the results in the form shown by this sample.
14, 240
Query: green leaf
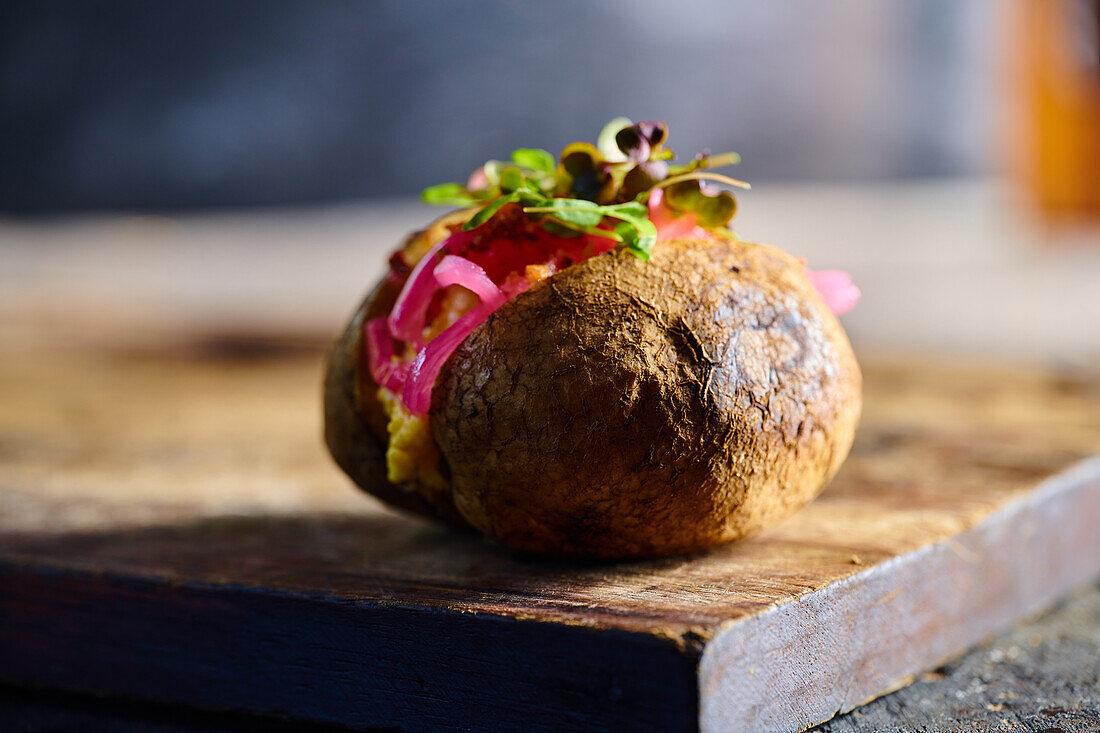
447, 194
630, 208
647, 234
527, 197
577, 211
629, 218
711, 209
606, 141
492, 170
606, 234
639, 245
535, 159
582, 173
571, 211
642, 177
639, 236
511, 179
486, 214
627, 231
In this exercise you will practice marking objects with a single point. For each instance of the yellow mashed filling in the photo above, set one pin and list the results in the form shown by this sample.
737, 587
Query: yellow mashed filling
411, 456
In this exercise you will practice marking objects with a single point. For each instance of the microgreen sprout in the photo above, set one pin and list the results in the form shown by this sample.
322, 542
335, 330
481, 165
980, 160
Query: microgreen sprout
601, 190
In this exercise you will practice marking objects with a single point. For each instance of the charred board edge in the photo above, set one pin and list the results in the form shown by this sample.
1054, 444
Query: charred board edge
829, 651
353, 662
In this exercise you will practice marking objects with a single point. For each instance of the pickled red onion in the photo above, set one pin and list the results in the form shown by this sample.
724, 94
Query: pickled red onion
429, 360
407, 320
383, 369
836, 288
410, 310
455, 270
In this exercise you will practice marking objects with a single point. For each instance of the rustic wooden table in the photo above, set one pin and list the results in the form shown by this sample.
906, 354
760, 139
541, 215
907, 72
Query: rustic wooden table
1043, 676
158, 451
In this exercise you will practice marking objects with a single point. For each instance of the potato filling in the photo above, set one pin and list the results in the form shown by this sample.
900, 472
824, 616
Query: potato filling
411, 456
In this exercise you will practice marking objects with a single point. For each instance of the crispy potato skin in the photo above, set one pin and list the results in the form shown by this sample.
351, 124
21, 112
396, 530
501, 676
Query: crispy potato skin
623, 408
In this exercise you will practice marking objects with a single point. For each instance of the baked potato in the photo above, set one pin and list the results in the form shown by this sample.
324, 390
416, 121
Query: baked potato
613, 406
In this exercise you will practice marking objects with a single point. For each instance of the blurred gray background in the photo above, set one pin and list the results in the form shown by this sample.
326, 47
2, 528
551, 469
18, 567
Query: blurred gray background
179, 105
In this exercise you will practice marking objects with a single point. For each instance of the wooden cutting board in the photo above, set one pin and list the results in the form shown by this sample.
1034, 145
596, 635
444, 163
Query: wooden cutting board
171, 528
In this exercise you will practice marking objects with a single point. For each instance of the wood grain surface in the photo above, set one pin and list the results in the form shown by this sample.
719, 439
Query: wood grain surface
1042, 676
171, 528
